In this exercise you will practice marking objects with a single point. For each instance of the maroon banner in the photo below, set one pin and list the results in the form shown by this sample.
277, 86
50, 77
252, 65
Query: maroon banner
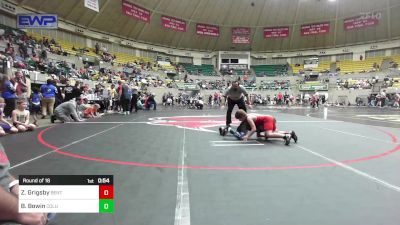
173, 23
208, 30
361, 22
314, 29
135, 11
241, 35
276, 32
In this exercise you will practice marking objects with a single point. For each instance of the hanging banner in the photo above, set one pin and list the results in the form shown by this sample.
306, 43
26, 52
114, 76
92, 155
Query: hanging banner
367, 20
207, 30
132, 10
314, 29
241, 35
173, 23
311, 63
92, 4
276, 32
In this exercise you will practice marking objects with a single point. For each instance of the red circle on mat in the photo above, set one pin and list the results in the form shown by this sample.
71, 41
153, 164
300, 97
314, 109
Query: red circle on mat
139, 164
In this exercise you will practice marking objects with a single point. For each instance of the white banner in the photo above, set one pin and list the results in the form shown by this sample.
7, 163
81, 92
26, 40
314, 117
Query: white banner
92, 4
311, 63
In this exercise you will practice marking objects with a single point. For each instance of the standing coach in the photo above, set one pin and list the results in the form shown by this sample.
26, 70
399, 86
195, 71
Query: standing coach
234, 95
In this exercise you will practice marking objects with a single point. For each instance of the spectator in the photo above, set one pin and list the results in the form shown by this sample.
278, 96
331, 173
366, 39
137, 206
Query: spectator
113, 96
43, 54
97, 48
46, 42
280, 98
9, 189
134, 98
20, 117
199, 104
383, 98
5, 126
68, 92
59, 98
49, 95
10, 50
150, 102
125, 96
35, 105
21, 87
77, 92
23, 50
28, 85
396, 103
8, 93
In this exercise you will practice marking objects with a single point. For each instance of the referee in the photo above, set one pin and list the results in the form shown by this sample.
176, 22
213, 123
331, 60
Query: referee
234, 95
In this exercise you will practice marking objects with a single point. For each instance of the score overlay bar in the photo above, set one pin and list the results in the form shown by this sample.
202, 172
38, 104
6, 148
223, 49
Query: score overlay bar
66, 194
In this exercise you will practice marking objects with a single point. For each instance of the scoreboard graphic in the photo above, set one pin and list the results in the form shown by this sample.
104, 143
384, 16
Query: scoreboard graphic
66, 193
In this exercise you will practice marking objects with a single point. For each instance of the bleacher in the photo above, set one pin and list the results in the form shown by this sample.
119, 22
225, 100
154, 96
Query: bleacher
239, 72
207, 70
323, 66
122, 58
269, 70
168, 67
396, 83
395, 58
65, 45
296, 69
349, 66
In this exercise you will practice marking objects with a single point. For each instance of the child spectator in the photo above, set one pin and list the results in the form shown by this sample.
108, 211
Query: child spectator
20, 117
35, 105
5, 126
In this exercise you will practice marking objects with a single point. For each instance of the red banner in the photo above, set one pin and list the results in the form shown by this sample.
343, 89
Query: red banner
173, 23
316, 28
276, 32
208, 30
135, 11
360, 22
241, 35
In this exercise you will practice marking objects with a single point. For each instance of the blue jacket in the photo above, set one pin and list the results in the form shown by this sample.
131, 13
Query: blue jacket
9, 91
48, 91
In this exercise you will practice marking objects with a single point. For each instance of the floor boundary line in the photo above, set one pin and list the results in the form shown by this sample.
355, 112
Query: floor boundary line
357, 135
352, 169
67, 145
182, 209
